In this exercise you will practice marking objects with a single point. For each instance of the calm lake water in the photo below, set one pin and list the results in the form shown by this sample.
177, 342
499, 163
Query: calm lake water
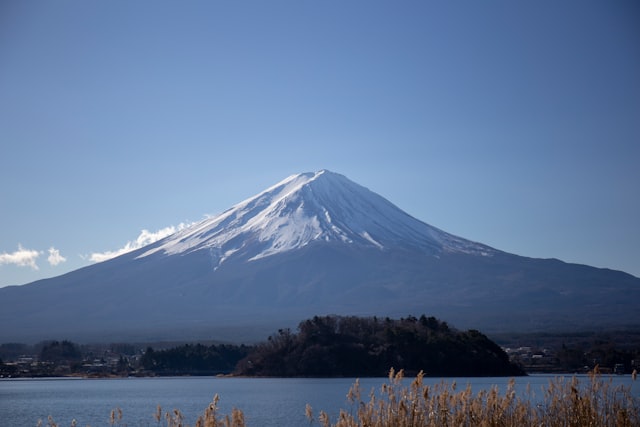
265, 401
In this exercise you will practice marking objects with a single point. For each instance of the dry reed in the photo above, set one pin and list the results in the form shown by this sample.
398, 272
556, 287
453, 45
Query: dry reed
566, 402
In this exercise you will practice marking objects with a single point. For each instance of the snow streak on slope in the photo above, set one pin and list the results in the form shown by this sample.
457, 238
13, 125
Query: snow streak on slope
306, 208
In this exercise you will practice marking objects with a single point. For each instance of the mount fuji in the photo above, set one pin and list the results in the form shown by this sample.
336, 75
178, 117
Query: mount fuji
313, 244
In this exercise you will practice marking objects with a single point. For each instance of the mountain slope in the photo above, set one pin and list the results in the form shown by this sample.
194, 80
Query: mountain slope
313, 244
306, 208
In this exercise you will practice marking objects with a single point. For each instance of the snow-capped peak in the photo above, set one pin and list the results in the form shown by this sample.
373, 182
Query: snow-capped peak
306, 208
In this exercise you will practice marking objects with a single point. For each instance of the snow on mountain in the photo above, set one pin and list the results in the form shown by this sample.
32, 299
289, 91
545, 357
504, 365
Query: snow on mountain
305, 208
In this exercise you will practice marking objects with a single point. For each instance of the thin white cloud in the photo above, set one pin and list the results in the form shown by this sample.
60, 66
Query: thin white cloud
22, 258
145, 237
54, 257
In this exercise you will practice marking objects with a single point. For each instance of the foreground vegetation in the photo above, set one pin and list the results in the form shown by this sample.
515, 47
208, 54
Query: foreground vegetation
565, 403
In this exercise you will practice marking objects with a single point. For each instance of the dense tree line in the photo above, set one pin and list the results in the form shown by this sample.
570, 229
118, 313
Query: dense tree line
335, 346
56, 351
355, 346
195, 359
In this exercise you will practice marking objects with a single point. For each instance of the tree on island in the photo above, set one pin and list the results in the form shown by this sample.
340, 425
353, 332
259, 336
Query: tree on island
349, 346
56, 351
192, 359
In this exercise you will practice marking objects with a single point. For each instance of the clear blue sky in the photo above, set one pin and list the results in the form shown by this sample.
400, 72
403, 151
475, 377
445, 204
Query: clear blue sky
515, 124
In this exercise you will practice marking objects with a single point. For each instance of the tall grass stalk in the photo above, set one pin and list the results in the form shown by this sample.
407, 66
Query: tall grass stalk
565, 402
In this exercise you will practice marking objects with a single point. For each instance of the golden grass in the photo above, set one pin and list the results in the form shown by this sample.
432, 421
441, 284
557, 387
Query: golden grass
566, 402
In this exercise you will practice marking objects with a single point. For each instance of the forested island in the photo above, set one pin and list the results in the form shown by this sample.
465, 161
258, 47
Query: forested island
326, 346
355, 346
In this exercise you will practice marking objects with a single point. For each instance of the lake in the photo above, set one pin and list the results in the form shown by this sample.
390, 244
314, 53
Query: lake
265, 401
